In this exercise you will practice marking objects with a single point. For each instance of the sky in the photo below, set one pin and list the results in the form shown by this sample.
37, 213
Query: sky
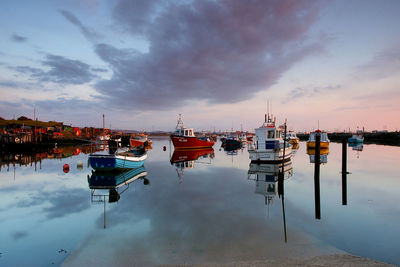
335, 63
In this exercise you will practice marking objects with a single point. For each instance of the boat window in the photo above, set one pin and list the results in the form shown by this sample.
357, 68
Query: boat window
270, 134
186, 132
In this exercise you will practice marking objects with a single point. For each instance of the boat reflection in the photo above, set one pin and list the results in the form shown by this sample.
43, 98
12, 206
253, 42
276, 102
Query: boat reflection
324, 152
269, 179
295, 147
112, 184
184, 159
232, 149
357, 146
266, 177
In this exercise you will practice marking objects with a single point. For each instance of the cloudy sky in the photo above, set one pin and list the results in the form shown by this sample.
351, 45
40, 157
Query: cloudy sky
141, 63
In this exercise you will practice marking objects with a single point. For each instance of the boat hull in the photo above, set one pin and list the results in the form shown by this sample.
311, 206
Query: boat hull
115, 162
232, 142
136, 143
355, 140
294, 141
270, 155
311, 144
183, 142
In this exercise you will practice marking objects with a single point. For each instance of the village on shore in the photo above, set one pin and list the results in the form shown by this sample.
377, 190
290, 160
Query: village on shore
26, 132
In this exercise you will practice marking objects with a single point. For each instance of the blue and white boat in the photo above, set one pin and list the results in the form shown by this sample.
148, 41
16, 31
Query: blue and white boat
269, 145
119, 161
357, 137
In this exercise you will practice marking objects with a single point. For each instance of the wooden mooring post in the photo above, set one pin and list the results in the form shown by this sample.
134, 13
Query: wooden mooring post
316, 176
344, 171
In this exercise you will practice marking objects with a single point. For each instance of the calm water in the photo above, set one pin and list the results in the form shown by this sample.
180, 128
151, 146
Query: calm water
209, 210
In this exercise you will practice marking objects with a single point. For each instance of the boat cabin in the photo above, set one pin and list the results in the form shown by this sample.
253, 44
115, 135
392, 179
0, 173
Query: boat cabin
181, 130
269, 135
291, 135
184, 131
324, 136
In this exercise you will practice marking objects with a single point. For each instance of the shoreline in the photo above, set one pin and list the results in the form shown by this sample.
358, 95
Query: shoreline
324, 260
390, 138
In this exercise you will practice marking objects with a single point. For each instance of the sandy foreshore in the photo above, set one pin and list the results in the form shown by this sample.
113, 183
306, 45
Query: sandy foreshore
325, 260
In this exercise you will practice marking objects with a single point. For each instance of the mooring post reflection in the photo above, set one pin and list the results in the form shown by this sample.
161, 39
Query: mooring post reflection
281, 189
316, 177
282, 196
344, 172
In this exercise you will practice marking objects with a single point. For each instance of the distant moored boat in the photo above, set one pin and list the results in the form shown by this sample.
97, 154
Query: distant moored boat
324, 143
357, 137
119, 161
269, 145
184, 138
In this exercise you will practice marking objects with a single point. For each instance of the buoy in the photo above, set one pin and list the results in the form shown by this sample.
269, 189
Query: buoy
66, 168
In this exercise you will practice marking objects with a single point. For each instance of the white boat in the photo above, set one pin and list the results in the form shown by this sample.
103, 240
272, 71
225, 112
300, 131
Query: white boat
269, 145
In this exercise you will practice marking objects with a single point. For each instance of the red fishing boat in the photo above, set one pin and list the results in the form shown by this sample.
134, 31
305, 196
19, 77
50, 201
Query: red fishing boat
140, 140
184, 138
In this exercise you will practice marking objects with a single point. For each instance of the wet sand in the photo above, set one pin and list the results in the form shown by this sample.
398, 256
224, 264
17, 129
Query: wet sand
326, 260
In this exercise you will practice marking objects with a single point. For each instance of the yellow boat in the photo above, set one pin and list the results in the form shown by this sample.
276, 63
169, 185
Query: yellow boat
324, 143
292, 138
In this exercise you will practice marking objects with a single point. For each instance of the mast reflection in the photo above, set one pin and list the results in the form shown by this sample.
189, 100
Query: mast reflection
269, 180
112, 184
185, 159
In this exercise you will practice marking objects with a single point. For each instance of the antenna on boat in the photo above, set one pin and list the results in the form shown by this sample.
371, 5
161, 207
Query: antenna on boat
180, 122
104, 133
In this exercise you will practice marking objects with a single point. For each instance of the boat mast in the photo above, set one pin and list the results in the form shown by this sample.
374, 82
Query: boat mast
179, 124
104, 132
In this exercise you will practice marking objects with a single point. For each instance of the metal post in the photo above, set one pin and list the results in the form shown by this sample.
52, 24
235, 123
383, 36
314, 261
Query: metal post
316, 177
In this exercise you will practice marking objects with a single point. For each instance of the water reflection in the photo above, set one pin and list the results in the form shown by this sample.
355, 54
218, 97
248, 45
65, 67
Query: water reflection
269, 180
217, 216
111, 184
324, 152
231, 149
266, 178
185, 159
358, 147
33, 159
295, 147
